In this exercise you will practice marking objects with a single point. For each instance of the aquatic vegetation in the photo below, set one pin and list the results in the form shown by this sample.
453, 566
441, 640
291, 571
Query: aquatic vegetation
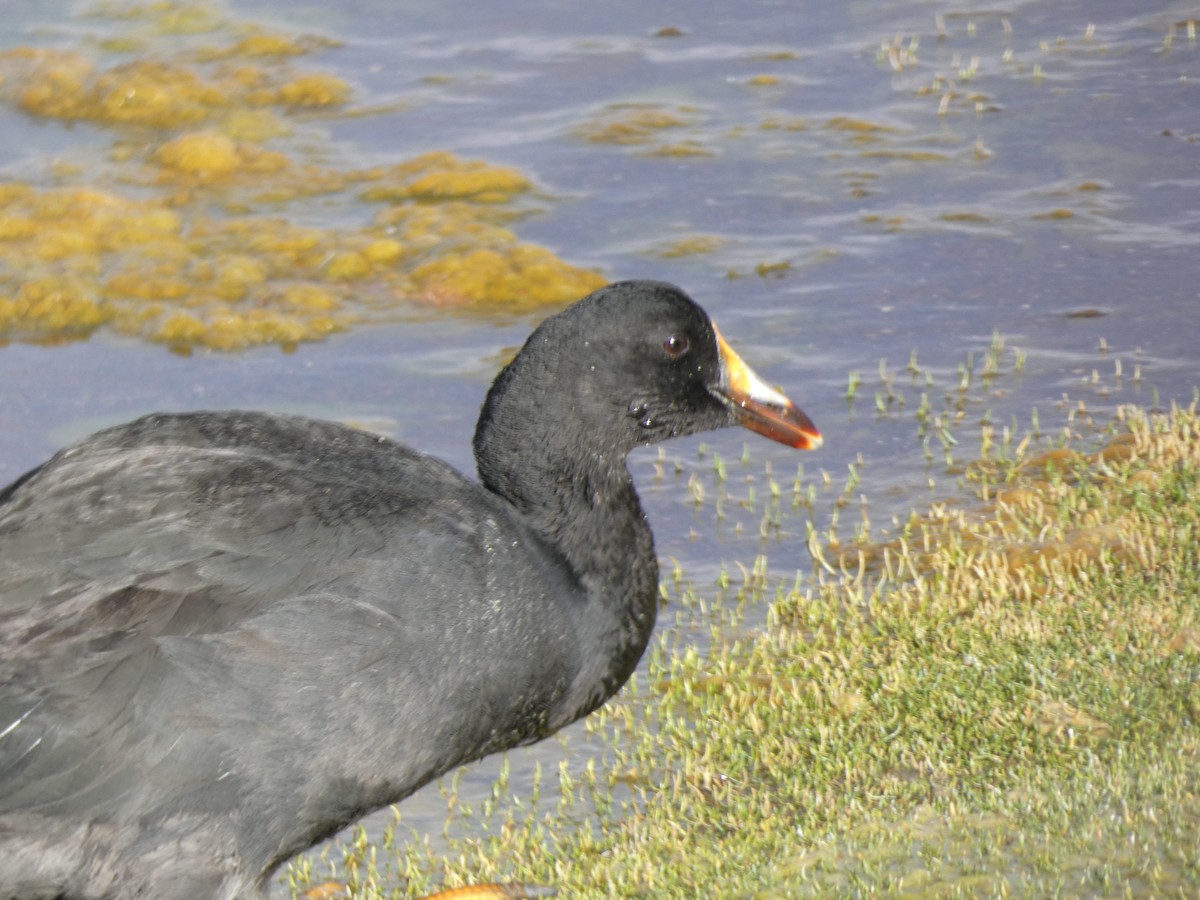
635, 123
74, 260
440, 178
678, 150
68, 84
692, 245
531, 274
189, 238
862, 127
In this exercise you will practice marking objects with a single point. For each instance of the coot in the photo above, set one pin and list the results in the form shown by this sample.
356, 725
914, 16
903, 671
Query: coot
226, 635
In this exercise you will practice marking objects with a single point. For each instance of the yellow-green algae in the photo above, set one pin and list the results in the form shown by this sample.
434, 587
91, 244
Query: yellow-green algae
969, 724
692, 245
644, 125
635, 123
188, 239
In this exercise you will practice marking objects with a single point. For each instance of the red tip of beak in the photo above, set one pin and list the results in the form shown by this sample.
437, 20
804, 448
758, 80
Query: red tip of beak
760, 407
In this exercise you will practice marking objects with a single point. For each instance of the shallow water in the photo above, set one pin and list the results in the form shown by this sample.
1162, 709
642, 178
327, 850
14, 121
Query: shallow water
871, 190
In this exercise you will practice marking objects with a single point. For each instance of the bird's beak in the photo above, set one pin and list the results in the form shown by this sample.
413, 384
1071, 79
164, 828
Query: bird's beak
760, 407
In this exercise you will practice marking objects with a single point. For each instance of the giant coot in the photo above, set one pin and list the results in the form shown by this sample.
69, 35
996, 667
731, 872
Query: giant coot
226, 635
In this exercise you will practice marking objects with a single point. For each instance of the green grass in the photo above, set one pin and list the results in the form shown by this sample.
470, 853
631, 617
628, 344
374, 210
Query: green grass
998, 701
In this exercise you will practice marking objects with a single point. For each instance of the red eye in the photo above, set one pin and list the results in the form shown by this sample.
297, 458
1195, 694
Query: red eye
675, 346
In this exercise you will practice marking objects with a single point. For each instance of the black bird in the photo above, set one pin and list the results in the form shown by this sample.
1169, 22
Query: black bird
224, 636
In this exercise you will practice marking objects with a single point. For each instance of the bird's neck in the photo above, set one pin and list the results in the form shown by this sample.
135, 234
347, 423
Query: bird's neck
583, 504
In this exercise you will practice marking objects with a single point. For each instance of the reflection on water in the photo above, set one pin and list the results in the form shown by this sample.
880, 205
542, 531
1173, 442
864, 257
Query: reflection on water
846, 187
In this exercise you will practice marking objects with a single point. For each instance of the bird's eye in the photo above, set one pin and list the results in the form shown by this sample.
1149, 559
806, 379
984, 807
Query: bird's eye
675, 346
